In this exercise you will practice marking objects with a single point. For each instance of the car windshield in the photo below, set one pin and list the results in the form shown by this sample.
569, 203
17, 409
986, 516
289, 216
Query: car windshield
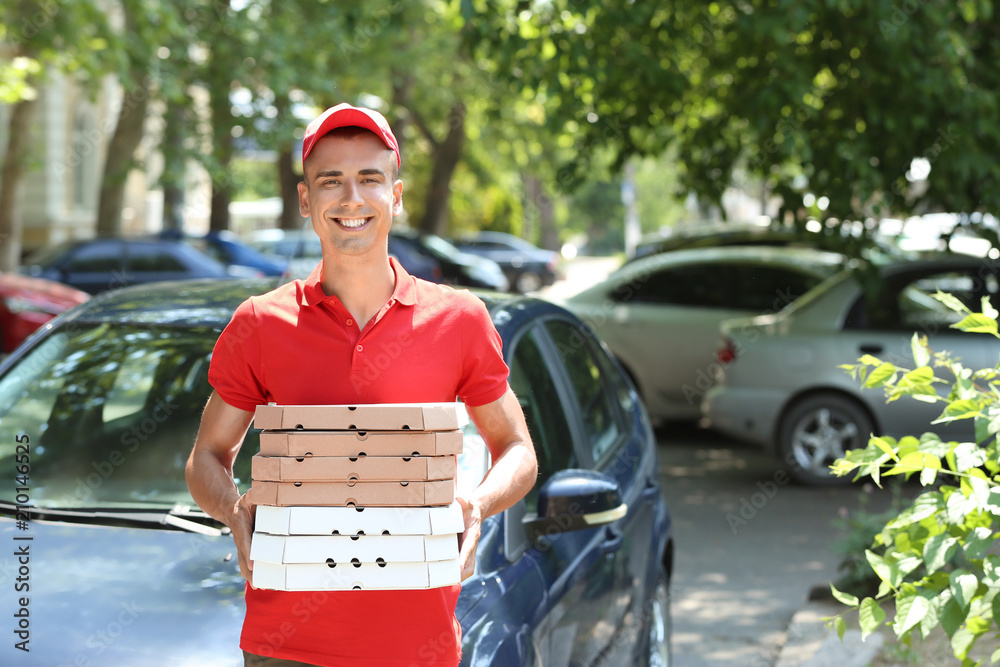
440, 246
111, 412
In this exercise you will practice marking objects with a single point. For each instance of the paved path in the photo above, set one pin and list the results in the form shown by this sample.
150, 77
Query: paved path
749, 547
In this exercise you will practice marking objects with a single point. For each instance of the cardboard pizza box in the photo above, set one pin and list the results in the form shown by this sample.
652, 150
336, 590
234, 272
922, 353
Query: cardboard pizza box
360, 576
357, 469
349, 549
363, 417
355, 443
360, 520
357, 494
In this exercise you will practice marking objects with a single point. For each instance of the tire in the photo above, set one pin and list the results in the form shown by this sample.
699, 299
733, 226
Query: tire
660, 625
528, 281
818, 430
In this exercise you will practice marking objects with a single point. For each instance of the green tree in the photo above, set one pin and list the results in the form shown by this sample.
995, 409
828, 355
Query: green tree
39, 38
835, 97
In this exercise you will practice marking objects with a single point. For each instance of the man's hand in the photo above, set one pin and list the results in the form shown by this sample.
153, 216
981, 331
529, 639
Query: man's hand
469, 540
241, 524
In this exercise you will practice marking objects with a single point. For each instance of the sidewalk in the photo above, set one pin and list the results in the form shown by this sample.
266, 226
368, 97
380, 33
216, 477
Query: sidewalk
810, 643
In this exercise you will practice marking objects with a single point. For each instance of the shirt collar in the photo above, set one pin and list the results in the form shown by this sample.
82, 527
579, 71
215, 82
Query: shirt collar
404, 292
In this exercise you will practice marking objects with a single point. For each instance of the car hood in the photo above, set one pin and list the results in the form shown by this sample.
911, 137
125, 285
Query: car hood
103, 595
136, 597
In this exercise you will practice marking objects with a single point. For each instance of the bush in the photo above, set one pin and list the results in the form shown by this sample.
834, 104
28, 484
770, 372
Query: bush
934, 559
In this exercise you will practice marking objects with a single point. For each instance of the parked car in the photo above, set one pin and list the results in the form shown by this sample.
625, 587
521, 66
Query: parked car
28, 303
229, 249
98, 265
457, 267
125, 570
303, 252
660, 315
527, 267
782, 387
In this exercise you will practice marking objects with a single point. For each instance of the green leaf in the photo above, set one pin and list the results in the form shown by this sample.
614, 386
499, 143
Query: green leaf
921, 355
976, 323
961, 642
869, 360
844, 598
978, 542
910, 610
938, 550
870, 616
840, 626
884, 445
952, 615
951, 302
963, 587
918, 376
962, 409
996, 656
880, 375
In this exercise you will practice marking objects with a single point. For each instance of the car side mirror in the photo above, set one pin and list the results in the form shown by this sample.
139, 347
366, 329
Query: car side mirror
575, 500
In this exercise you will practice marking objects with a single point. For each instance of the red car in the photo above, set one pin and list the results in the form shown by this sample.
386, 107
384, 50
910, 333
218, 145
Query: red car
28, 303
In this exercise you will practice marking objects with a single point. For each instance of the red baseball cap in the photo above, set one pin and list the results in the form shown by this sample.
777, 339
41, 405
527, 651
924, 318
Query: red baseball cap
345, 115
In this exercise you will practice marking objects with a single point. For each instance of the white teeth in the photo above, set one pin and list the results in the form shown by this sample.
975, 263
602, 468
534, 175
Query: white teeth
352, 223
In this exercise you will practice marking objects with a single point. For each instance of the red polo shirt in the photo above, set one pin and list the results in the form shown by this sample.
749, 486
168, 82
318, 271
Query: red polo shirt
298, 346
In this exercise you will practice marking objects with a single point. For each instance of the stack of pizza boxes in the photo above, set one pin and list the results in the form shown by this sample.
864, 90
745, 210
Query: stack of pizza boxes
357, 497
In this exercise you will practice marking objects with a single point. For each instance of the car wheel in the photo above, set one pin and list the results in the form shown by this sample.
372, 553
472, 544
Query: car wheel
660, 624
528, 281
817, 431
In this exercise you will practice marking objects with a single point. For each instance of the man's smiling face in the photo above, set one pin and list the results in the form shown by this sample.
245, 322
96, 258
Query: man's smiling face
350, 192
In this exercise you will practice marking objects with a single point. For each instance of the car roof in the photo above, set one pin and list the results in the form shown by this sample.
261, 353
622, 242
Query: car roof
211, 303
807, 258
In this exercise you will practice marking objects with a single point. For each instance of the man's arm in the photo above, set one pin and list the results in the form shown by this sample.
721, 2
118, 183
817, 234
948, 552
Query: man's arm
209, 473
513, 473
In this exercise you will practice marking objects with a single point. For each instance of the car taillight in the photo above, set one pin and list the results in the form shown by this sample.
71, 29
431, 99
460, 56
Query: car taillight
726, 353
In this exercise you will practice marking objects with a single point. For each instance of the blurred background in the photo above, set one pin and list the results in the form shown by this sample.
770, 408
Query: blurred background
580, 127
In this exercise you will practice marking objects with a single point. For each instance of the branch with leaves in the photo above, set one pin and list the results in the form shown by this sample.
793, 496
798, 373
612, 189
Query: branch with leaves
937, 562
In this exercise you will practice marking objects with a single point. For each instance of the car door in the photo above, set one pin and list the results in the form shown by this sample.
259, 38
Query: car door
666, 330
152, 262
884, 328
590, 586
95, 267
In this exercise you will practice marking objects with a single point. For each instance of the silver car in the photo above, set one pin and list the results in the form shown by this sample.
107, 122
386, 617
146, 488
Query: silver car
660, 315
782, 388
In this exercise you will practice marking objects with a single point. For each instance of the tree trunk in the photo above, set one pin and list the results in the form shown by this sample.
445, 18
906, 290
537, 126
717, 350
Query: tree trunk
222, 146
11, 193
446, 155
174, 166
121, 151
288, 180
540, 204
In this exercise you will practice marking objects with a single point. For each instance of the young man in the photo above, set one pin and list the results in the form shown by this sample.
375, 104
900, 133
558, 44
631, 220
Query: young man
359, 329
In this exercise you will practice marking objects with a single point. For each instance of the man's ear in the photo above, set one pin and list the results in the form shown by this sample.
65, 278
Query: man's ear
397, 198
303, 199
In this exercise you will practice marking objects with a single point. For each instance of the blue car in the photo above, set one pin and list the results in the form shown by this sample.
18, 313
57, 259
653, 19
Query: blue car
115, 565
102, 264
227, 247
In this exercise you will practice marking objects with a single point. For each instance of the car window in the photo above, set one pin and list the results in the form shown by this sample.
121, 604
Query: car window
765, 288
111, 412
705, 286
918, 309
147, 258
590, 386
96, 258
535, 388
